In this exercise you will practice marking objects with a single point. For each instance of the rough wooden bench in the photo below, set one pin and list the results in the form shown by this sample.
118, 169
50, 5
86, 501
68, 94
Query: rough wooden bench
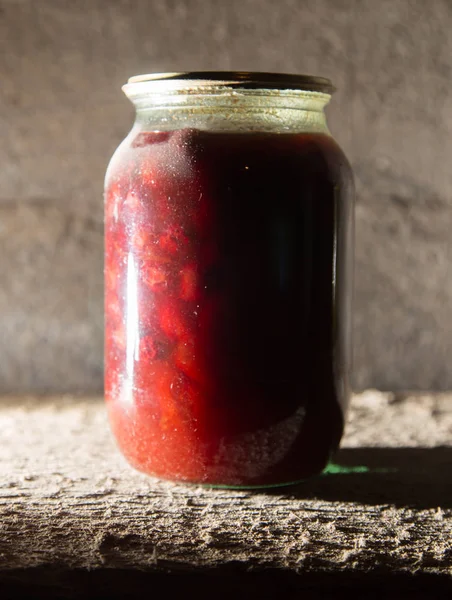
75, 518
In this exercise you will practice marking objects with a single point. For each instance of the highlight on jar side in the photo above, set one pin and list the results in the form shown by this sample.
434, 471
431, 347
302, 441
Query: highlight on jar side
228, 279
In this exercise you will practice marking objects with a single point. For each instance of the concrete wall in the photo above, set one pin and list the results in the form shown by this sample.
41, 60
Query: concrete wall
62, 114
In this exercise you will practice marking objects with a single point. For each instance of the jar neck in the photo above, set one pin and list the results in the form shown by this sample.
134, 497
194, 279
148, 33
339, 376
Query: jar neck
220, 108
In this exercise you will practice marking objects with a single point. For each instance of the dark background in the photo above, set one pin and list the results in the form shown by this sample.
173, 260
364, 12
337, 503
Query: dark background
62, 114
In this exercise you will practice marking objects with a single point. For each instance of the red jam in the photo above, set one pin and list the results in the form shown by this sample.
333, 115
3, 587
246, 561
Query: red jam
227, 304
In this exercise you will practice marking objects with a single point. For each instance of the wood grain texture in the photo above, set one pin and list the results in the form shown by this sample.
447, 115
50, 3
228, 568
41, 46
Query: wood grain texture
68, 500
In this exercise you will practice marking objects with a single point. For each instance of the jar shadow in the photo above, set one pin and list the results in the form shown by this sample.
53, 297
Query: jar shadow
404, 477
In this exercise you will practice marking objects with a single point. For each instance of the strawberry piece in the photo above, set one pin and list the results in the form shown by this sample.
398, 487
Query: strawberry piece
148, 349
155, 377
116, 338
132, 202
172, 321
147, 313
164, 386
115, 243
168, 243
187, 358
114, 309
173, 239
151, 137
188, 398
114, 274
141, 240
148, 250
189, 283
155, 277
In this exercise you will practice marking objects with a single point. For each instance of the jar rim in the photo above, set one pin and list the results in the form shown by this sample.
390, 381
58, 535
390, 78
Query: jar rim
237, 79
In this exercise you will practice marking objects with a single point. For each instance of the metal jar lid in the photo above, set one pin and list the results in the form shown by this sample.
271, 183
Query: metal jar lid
236, 79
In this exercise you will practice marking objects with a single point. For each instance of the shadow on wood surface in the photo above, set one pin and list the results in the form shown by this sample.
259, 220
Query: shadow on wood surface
223, 583
405, 477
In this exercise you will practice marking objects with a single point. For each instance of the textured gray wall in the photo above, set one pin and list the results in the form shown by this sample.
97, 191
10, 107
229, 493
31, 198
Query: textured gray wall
62, 114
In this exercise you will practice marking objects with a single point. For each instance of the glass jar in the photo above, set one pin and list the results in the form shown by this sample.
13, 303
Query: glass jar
228, 279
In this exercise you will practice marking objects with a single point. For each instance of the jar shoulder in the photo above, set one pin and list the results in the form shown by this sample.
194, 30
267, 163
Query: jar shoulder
338, 166
318, 153
120, 159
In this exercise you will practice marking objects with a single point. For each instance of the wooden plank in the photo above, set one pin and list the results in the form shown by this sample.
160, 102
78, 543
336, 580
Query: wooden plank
68, 500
